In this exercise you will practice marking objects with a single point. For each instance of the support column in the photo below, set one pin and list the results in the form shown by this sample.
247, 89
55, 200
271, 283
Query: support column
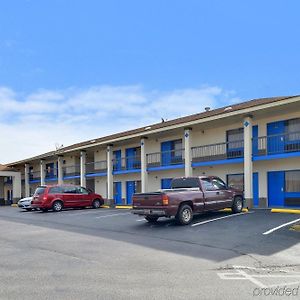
110, 179
42, 171
187, 153
82, 168
26, 183
248, 164
60, 170
17, 187
144, 174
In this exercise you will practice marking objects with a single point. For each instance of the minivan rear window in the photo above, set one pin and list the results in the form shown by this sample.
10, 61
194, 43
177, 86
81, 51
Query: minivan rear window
40, 190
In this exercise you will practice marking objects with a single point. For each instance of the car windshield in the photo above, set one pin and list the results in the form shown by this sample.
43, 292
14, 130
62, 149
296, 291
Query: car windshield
40, 190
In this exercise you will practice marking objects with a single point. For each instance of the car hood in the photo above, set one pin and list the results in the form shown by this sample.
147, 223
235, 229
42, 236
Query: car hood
26, 199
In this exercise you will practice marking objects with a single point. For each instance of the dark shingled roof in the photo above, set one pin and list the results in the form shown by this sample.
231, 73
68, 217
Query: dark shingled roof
190, 118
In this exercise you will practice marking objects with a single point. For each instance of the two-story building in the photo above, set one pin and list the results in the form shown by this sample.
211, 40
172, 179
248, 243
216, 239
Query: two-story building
254, 145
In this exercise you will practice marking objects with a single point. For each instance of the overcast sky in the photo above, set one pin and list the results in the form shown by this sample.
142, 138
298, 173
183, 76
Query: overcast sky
72, 70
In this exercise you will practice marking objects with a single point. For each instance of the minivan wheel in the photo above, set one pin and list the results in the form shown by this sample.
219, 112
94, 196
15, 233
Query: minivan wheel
96, 203
151, 219
57, 206
184, 215
237, 205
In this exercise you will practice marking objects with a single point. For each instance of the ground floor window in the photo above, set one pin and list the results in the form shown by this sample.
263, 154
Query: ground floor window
236, 181
292, 181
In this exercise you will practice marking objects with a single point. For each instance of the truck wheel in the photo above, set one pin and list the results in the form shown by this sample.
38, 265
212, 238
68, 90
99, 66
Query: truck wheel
237, 205
151, 219
184, 215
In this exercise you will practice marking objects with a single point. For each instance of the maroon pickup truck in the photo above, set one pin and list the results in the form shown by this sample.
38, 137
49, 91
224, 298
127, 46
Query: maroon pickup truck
188, 196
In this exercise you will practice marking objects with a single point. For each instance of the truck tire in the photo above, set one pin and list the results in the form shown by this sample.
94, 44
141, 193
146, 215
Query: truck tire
184, 215
151, 219
237, 205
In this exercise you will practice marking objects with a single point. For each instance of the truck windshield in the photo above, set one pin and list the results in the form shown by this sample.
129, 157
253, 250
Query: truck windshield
178, 183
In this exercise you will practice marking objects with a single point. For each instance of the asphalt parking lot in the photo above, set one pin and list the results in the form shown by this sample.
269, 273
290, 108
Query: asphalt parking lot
112, 254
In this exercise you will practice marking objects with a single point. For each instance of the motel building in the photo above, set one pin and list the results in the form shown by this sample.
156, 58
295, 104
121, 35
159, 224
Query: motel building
254, 146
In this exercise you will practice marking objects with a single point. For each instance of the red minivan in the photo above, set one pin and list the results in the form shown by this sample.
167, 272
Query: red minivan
57, 197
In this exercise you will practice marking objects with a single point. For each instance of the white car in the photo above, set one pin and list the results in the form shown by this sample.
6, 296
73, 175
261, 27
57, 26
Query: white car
25, 203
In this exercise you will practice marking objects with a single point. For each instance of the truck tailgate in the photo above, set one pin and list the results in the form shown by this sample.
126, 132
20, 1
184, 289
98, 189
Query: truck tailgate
147, 200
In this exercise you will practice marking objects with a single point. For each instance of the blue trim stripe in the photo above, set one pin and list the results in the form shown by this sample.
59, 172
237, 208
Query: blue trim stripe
127, 171
171, 167
218, 162
96, 174
72, 177
276, 156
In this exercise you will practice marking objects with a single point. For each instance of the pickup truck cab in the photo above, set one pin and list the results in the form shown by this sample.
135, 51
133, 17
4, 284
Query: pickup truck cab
188, 196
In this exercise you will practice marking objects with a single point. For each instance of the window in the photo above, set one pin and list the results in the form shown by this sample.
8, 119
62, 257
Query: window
55, 190
206, 182
81, 190
235, 138
39, 191
292, 181
185, 183
69, 190
219, 184
292, 130
177, 147
236, 181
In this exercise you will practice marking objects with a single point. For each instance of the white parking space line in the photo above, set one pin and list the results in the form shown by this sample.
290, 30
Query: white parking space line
113, 215
281, 226
224, 217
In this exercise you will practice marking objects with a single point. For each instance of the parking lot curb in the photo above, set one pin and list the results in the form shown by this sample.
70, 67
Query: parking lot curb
287, 211
229, 210
295, 227
123, 206
14, 205
105, 206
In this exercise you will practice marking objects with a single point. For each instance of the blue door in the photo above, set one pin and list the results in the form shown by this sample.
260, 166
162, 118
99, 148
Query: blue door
255, 140
255, 189
275, 132
130, 190
166, 183
276, 188
118, 192
166, 148
130, 158
117, 160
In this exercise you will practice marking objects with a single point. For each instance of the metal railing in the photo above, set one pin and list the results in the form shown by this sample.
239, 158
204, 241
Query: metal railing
127, 163
73, 170
165, 158
96, 167
51, 174
34, 176
219, 151
276, 144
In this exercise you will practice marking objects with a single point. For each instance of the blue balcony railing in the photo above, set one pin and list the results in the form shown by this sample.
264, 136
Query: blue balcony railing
277, 144
51, 174
71, 171
165, 158
219, 151
127, 163
34, 177
97, 167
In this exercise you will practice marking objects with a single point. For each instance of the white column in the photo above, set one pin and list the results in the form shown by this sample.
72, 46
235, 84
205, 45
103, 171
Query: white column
110, 180
26, 183
187, 153
82, 168
144, 175
17, 187
42, 172
60, 170
248, 165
